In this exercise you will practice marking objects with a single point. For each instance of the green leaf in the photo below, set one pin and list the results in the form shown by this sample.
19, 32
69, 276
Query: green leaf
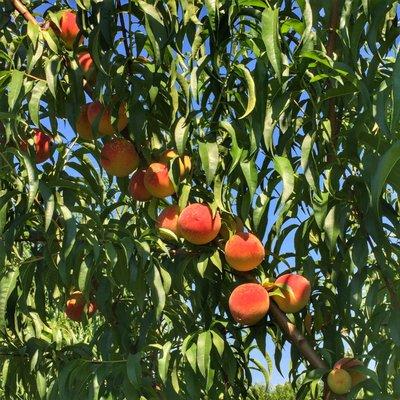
15, 87
134, 369
69, 232
251, 99
7, 285
285, 170
331, 227
204, 344
270, 36
209, 156
52, 68
32, 179
181, 133
163, 362
387, 162
37, 93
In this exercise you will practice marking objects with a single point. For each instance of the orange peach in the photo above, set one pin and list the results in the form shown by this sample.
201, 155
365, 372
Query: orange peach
119, 157
244, 251
136, 186
83, 127
339, 381
86, 63
349, 364
185, 164
69, 29
296, 290
168, 219
157, 182
249, 303
75, 307
99, 114
197, 224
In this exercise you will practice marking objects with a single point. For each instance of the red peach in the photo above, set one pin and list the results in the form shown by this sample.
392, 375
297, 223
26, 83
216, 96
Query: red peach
296, 290
168, 219
42, 144
69, 29
97, 112
83, 127
244, 251
136, 187
119, 157
157, 182
86, 63
249, 303
75, 306
197, 225
339, 381
185, 164
349, 364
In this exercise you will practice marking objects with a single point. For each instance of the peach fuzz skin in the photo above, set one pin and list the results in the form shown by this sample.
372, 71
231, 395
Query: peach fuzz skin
339, 381
157, 182
98, 112
119, 157
75, 307
69, 29
136, 187
86, 64
296, 289
197, 225
249, 303
348, 364
244, 251
83, 126
168, 219
42, 145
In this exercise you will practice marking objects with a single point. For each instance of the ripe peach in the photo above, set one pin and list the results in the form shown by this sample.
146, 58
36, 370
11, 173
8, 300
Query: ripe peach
249, 303
244, 251
42, 144
98, 112
168, 219
69, 29
339, 381
119, 157
197, 225
83, 127
296, 290
157, 182
86, 63
136, 186
185, 164
348, 364
75, 307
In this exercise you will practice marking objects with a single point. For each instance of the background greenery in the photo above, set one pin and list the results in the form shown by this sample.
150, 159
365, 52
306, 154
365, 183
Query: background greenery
290, 112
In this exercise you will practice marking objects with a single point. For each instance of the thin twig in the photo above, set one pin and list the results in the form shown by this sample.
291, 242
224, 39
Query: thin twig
125, 38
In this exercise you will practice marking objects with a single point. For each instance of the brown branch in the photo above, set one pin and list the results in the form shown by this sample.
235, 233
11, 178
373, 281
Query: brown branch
295, 337
330, 48
24, 11
125, 38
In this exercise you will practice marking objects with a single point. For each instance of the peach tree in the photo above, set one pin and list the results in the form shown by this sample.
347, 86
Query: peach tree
186, 187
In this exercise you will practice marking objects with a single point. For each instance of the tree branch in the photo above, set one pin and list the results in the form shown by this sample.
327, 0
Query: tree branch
126, 44
330, 48
24, 11
295, 337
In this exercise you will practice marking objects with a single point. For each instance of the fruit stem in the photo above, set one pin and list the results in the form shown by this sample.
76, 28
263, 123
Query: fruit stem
24, 11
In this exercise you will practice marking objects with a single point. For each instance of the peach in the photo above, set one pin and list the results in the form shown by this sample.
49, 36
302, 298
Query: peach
86, 64
157, 182
69, 29
339, 381
249, 303
75, 306
244, 251
296, 290
99, 114
119, 157
349, 364
42, 144
197, 225
185, 164
168, 219
136, 186
83, 127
